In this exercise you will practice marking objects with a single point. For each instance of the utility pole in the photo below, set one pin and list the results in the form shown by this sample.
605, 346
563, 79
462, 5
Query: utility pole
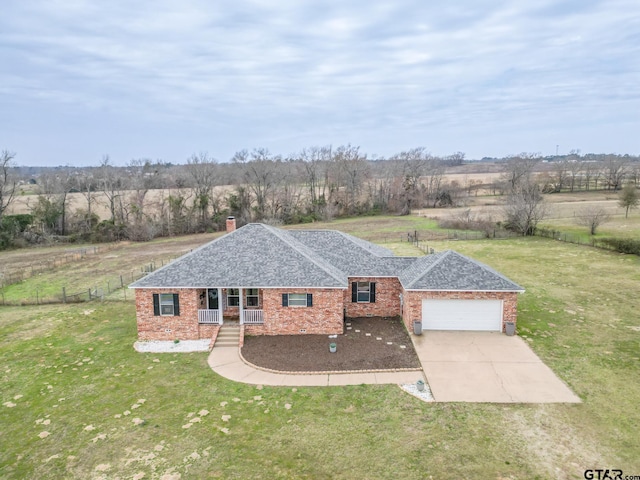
557, 149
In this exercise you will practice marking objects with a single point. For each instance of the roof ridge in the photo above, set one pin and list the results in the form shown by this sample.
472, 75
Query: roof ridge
440, 257
485, 266
305, 251
357, 241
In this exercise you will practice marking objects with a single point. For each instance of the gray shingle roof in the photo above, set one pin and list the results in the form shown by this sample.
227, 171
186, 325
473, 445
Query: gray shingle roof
258, 255
354, 256
450, 270
255, 255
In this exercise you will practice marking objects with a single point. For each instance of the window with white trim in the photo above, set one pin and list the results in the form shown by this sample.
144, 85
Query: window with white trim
364, 291
166, 304
233, 297
253, 298
297, 300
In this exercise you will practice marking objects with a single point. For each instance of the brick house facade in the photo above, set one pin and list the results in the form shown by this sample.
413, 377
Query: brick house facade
302, 282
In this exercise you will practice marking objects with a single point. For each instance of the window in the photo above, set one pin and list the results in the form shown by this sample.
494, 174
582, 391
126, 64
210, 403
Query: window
233, 297
166, 304
363, 292
253, 299
297, 300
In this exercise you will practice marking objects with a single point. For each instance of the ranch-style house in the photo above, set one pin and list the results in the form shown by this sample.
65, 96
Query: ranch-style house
285, 282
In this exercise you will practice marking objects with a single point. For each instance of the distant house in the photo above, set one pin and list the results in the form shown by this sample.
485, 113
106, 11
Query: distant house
284, 282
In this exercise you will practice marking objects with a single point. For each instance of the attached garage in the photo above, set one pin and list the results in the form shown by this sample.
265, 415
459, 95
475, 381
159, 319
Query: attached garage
455, 314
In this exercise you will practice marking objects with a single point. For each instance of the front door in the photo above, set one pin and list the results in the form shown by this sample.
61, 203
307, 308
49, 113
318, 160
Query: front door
212, 298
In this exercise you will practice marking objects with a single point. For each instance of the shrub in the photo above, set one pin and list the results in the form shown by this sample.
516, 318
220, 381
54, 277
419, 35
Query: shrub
622, 245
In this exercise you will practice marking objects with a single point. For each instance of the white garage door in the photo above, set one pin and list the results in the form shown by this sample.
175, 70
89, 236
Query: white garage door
462, 315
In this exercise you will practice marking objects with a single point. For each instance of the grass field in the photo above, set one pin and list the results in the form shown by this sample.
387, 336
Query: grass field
124, 258
79, 402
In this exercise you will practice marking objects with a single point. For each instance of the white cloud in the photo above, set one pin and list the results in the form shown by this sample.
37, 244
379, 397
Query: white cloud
227, 75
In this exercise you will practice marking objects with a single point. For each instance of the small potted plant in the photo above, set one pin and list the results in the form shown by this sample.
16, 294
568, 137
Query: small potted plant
333, 347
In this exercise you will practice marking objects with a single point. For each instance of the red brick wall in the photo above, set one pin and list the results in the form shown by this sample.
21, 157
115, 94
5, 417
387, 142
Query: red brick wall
183, 327
387, 302
324, 317
412, 309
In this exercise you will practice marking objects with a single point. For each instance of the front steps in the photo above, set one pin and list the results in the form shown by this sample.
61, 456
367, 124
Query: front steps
228, 336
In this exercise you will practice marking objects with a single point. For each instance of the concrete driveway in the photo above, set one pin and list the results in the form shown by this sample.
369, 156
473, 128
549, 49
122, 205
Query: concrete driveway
487, 367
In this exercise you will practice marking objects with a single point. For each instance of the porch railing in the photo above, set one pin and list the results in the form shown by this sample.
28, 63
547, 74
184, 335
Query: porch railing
253, 317
209, 316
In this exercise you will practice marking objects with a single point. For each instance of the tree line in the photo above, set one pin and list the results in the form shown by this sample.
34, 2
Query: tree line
147, 199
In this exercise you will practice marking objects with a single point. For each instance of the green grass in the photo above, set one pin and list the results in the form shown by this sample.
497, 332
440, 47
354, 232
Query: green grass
74, 366
101, 270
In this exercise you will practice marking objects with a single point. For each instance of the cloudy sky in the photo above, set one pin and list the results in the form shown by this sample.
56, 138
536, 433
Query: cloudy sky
163, 79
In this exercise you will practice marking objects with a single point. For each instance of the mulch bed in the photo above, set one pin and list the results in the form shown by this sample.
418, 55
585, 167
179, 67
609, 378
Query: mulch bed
355, 349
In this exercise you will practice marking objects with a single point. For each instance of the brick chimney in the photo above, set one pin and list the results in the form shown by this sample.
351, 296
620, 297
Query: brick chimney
231, 224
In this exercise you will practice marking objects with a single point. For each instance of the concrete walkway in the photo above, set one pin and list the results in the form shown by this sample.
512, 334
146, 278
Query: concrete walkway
487, 367
226, 362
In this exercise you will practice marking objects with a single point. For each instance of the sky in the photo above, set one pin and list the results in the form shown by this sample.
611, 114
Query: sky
165, 79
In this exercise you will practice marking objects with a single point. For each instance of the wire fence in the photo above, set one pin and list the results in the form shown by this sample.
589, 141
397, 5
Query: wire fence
17, 275
421, 236
112, 287
575, 239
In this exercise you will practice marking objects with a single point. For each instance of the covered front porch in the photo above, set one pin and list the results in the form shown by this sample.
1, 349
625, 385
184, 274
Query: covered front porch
219, 304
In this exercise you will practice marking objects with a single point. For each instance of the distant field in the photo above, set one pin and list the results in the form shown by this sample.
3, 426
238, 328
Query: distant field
78, 402
124, 259
391, 231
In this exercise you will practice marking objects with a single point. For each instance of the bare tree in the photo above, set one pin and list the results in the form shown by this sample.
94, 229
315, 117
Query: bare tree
7, 180
55, 187
354, 170
590, 170
518, 170
455, 159
110, 185
592, 217
142, 177
525, 208
316, 161
202, 172
615, 169
561, 169
85, 184
629, 198
434, 174
575, 171
413, 164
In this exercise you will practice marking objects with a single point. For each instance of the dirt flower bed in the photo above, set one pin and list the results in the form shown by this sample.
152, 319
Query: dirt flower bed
369, 343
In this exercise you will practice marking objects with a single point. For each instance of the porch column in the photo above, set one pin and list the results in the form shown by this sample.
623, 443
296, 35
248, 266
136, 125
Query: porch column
241, 310
220, 310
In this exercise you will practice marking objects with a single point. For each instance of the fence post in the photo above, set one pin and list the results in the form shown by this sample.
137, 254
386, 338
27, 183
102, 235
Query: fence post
108, 287
89, 294
121, 282
37, 298
64, 295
